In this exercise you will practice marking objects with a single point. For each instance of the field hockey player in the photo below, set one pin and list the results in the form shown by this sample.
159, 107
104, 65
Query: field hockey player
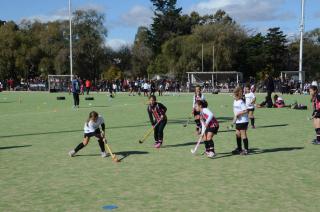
210, 125
92, 129
315, 99
197, 96
241, 120
157, 114
250, 102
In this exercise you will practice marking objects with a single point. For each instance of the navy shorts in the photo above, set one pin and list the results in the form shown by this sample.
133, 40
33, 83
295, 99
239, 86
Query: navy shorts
242, 126
250, 109
96, 133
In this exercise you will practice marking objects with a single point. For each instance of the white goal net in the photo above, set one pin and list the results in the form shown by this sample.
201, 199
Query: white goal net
59, 83
222, 81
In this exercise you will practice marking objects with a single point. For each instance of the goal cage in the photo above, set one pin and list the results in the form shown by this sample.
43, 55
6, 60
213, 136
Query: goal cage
222, 81
292, 75
59, 83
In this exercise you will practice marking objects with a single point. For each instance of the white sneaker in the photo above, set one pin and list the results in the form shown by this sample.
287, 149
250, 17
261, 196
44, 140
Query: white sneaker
210, 154
104, 154
72, 153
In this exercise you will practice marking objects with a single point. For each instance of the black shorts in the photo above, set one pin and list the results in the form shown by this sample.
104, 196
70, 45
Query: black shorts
242, 126
213, 130
92, 134
196, 113
250, 109
316, 114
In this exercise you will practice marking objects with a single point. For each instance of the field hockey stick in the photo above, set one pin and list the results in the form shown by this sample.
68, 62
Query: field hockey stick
144, 138
187, 123
198, 142
113, 156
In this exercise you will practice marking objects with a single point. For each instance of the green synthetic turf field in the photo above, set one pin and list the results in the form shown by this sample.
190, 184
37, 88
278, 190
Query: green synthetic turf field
36, 174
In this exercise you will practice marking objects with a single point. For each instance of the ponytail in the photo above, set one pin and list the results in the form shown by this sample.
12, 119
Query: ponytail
92, 114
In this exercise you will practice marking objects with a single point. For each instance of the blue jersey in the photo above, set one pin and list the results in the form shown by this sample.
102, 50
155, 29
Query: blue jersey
75, 86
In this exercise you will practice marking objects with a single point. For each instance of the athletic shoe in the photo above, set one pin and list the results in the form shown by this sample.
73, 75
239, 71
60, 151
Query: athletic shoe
244, 152
315, 142
72, 153
157, 145
236, 151
104, 154
210, 154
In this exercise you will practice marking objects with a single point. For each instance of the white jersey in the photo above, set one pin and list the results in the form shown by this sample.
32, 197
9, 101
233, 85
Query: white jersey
145, 86
238, 106
196, 98
93, 126
249, 100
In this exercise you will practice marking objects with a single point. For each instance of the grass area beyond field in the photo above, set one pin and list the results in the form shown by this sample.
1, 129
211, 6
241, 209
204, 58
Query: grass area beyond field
36, 174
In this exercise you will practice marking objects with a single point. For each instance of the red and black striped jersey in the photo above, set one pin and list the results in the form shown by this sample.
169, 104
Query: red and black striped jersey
156, 111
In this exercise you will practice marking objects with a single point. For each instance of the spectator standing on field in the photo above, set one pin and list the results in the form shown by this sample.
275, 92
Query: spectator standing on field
269, 86
75, 91
88, 86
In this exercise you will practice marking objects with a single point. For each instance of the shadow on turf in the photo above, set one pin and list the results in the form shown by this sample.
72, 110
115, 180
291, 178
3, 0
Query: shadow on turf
72, 131
13, 147
258, 127
257, 151
94, 106
123, 154
8, 102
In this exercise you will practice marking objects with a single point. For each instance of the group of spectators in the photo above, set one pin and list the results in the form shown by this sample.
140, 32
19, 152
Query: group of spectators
32, 84
146, 87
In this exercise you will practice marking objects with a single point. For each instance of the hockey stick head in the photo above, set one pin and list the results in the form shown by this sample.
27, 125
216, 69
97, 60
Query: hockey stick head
115, 159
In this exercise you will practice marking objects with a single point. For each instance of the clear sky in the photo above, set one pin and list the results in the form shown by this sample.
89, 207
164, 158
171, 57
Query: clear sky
124, 16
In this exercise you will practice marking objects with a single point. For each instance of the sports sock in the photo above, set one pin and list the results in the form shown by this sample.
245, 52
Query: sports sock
246, 143
198, 123
318, 134
206, 145
211, 145
80, 146
252, 121
239, 145
101, 144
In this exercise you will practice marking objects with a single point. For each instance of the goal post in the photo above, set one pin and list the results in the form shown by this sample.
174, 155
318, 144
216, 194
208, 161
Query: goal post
59, 83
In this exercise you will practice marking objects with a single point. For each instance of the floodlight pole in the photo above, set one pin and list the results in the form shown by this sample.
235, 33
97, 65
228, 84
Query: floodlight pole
301, 43
213, 58
70, 39
202, 57
212, 66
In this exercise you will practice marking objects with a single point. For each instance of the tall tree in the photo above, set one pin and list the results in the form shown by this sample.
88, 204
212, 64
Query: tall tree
141, 52
165, 22
276, 50
9, 43
89, 37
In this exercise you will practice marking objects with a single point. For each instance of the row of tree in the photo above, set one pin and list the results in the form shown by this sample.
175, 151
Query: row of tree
172, 44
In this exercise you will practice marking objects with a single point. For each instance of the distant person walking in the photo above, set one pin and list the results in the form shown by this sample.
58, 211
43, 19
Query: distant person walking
75, 91
88, 86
